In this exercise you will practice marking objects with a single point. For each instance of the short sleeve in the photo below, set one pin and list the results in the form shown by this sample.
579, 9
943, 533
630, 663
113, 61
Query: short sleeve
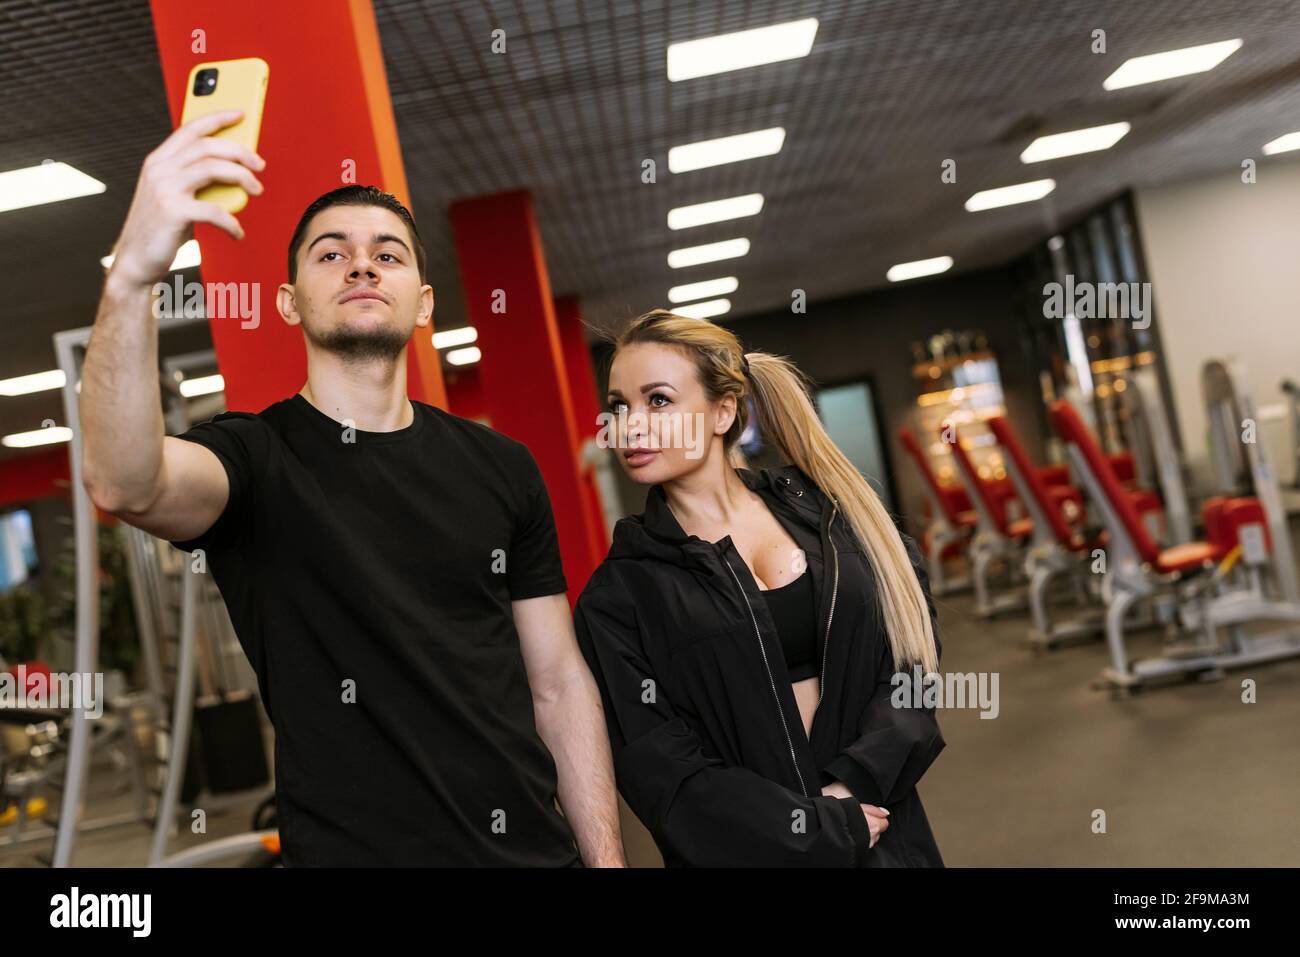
533, 565
238, 439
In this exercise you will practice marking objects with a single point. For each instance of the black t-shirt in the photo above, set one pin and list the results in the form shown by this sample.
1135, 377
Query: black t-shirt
369, 577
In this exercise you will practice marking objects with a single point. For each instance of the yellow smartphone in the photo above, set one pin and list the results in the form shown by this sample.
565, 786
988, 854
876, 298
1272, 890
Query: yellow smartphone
228, 85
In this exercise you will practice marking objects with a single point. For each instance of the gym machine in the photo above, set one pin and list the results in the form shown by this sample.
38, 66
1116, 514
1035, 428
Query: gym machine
1212, 586
950, 521
153, 605
998, 541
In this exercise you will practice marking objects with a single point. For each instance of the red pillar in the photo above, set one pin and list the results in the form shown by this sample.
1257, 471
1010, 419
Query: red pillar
586, 408
465, 393
508, 300
327, 114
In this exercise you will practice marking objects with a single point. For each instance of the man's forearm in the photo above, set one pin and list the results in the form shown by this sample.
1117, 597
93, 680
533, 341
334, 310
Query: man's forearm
121, 415
572, 725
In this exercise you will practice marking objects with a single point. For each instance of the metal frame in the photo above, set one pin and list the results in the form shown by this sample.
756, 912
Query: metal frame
988, 546
1227, 406
1046, 560
1157, 439
69, 347
941, 533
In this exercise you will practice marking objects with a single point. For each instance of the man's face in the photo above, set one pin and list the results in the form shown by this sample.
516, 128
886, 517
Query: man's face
358, 292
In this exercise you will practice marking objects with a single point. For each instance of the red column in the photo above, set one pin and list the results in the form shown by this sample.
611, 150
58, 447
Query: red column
36, 475
586, 407
465, 393
508, 300
327, 114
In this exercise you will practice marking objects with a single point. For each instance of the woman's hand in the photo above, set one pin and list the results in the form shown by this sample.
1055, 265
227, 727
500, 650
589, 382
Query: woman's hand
877, 817
877, 821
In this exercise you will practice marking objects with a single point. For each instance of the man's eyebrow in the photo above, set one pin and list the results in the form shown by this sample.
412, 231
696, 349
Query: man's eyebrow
376, 239
389, 238
323, 236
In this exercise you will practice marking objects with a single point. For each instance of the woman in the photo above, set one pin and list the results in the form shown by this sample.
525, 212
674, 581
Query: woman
745, 629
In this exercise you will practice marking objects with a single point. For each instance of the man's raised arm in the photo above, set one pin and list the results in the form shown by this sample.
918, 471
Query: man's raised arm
169, 487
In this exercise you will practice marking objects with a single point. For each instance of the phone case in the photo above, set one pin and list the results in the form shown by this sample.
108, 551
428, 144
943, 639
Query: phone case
241, 85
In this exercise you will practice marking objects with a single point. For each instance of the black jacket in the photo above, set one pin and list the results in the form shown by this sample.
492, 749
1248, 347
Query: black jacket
709, 749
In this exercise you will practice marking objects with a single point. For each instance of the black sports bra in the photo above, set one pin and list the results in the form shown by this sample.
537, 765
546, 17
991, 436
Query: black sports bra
794, 611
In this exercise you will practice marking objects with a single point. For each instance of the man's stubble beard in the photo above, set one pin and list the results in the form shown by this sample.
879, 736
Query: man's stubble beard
357, 346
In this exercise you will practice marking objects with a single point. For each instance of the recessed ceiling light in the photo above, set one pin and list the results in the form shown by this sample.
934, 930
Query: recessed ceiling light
1010, 195
464, 357
717, 211
47, 436
47, 183
702, 290
726, 149
1074, 142
187, 257
202, 385
455, 337
705, 310
921, 267
1283, 144
34, 382
1172, 63
709, 252
736, 51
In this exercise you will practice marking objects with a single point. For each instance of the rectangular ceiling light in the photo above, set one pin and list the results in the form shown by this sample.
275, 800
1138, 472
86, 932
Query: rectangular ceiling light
702, 290
34, 382
203, 385
47, 436
921, 267
455, 337
1283, 144
717, 211
47, 183
1074, 142
187, 257
464, 357
1165, 66
1010, 195
726, 149
708, 253
736, 51
705, 310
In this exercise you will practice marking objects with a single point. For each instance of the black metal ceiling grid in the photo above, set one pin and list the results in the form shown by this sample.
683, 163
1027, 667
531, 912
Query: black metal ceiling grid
581, 98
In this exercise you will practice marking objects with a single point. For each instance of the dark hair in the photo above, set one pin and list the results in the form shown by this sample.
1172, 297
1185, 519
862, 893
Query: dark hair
354, 196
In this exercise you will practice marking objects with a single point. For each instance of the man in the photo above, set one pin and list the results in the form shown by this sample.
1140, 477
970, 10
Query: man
391, 570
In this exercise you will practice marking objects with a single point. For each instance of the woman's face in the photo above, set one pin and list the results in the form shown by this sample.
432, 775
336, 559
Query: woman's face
660, 420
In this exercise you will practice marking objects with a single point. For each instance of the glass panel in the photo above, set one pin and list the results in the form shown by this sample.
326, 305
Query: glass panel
849, 414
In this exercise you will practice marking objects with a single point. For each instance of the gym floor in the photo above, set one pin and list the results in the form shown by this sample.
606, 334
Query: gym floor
1186, 774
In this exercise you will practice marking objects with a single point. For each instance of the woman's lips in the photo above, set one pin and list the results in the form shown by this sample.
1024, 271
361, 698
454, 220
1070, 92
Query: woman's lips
635, 458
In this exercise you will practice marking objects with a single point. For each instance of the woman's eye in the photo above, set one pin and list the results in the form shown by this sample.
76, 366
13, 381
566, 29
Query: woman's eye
656, 397
617, 406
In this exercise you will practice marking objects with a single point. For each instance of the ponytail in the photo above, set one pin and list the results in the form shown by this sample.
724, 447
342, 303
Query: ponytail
788, 417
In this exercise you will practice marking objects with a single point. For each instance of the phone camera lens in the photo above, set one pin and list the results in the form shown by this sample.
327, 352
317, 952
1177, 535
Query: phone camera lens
205, 81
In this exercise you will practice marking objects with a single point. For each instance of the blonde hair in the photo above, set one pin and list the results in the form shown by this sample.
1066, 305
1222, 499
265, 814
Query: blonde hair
787, 416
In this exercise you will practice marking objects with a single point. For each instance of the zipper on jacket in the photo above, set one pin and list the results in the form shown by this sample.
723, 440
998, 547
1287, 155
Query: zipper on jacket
771, 680
821, 690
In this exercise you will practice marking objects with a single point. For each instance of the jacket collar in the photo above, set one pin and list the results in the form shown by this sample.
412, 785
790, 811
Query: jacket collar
787, 484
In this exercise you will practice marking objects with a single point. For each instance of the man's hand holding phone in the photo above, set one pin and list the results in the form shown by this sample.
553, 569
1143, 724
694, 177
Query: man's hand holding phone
164, 207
